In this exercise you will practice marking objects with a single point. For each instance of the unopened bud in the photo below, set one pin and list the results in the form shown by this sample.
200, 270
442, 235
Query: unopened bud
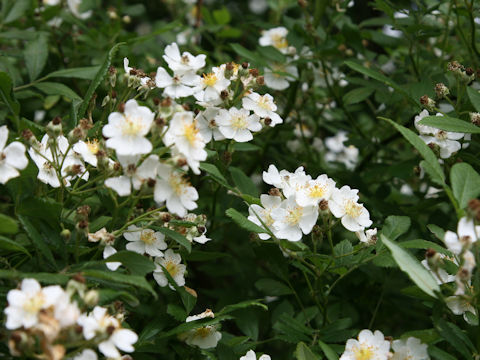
105, 100
121, 107
253, 72
441, 90
54, 127
66, 234
91, 297
427, 103
475, 118
127, 19
260, 80
274, 192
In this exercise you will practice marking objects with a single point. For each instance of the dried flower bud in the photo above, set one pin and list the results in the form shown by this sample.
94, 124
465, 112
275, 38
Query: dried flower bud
224, 94
181, 162
427, 103
83, 212
151, 182
469, 71
323, 205
441, 90
253, 72
260, 80
79, 278
267, 121
121, 107
167, 102
229, 66
274, 192
165, 217
245, 65
475, 118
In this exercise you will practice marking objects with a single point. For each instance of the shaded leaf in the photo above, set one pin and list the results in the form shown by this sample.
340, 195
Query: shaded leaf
465, 183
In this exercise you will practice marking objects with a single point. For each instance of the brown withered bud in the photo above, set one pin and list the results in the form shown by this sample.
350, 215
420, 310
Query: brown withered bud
121, 107
151, 182
27, 134
323, 205
317, 231
441, 90
156, 101
229, 66
83, 224
267, 121
133, 71
201, 229
114, 94
475, 118
474, 208
78, 329
166, 102
85, 124
224, 94
166, 217
186, 106
78, 277
181, 162
112, 70
253, 72
469, 71
16, 337
190, 291
57, 120
260, 80
117, 166
196, 111
152, 75
245, 65
110, 330
389, 338
274, 192
83, 211
430, 253
463, 274
74, 170
160, 122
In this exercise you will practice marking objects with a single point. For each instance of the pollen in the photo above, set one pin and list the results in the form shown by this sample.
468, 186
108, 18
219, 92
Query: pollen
364, 353
210, 79
93, 146
172, 268
177, 183
239, 122
148, 237
294, 215
352, 209
190, 132
317, 191
132, 126
264, 103
279, 42
34, 304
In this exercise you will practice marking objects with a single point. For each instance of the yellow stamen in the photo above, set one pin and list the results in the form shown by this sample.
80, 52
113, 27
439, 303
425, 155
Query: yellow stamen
364, 352
294, 215
190, 132
352, 209
34, 304
93, 146
132, 125
209, 79
148, 237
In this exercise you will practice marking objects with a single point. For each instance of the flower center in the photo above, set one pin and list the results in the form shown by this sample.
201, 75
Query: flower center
264, 103
279, 41
239, 122
364, 353
148, 237
93, 146
268, 220
294, 215
34, 304
185, 60
209, 79
190, 132
132, 125
172, 268
441, 135
317, 191
352, 209
177, 183
203, 331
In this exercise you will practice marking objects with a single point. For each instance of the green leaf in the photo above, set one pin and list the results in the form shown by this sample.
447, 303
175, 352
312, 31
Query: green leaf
8, 225
242, 305
465, 183
11, 245
243, 222
454, 335
427, 153
115, 277
222, 16
439, 354
52, 88
451, 124
37, 240
243, 182
40, 207
395, 226
17, 10
35, 54
424, 244
303, 352
419, 275
6, 93
87, 73
341, 251
136, 263
357, 95
328, 351
213, 171
179, 238
46, 278
272, 287
246, 54
102, 71
474, 97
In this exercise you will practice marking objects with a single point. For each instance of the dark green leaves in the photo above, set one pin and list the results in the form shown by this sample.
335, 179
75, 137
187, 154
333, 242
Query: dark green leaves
35, 54
303, 352
182, 240
243, 222
465, 183
272, 287
8, 225
13, 10
136, 263
115, 277
6, 93
450, 124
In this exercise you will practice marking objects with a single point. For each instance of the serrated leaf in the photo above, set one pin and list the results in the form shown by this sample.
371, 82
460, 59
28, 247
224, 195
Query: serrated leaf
474, 97
272, 287
303, 352
35, 54
451, 124
179, 238
417, 273
8, 225
465, 183
395, 226
102, 71
423, 149
243, 222
52, 88
328, 351
136, 263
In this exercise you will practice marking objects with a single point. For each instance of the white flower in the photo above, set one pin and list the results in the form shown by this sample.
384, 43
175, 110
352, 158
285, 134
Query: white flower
279, 76
65, 311
88, 150
133, 176
263, 106
207, 126
338, 152
291, 220
108, 251
250, 355
12, 157
459, 305
87, 354
74, 6
184, 63
269, 204
368, 237
343, 204
126, 132
315, 190
467, 233
294, 182
211, 85
204, 337
99, 322
276, 37
145, 241
185, 135
369, 346
424, 129
178, 85
237, 124
172, 263
25, 304
172, 187
410, 349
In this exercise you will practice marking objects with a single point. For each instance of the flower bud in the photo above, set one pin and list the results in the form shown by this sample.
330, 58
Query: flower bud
427, 103
54, 127
83, 212
105, 100
274, 192
91, 298
475, 118
441, 90
112, 76
260, 80
76, 134
65, 234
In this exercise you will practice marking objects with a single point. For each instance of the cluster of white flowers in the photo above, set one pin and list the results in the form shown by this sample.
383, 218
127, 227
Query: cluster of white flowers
370, 345
446, 141
48, 315
279, 75
294, 207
